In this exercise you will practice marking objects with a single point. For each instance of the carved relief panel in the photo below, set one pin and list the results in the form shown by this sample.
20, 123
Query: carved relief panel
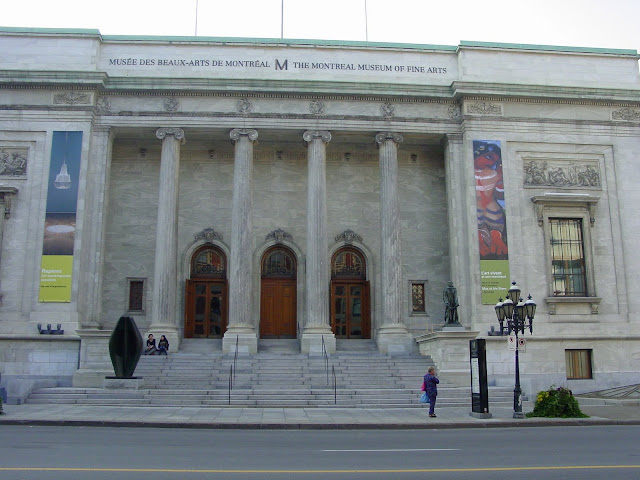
13, 162
561, 173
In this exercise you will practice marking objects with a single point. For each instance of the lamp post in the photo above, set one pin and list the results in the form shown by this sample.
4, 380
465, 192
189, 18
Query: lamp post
515, 313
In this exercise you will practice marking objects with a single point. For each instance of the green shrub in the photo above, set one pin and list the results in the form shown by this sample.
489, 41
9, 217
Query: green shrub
558, 403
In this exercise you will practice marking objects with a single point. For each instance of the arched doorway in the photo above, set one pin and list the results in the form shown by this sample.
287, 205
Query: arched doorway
206, 295
278, 294
350, 317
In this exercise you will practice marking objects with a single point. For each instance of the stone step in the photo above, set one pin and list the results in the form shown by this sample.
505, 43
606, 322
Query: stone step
280, 398
269, 403
199, 376
442, 392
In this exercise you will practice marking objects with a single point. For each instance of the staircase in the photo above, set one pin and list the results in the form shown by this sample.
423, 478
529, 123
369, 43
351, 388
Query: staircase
278, 376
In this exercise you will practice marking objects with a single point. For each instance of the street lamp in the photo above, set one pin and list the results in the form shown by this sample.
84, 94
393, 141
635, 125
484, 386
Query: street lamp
515, 313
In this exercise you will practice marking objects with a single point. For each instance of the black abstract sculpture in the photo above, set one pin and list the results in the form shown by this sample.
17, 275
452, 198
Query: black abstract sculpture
125, 347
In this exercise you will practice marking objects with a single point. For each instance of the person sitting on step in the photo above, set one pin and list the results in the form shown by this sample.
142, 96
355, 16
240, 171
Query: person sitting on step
163, 345
151, 346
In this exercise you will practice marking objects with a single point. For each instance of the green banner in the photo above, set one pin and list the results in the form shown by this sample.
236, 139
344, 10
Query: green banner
494, 278
55, 278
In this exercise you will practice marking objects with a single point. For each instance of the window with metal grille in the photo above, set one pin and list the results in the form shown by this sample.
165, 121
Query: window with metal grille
578, 364
568, 269
417, 298
136, 295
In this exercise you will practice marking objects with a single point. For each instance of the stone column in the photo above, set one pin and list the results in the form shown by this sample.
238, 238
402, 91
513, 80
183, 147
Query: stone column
94, 366
241, 327
392, 335
164, 317
317, 326
93, 232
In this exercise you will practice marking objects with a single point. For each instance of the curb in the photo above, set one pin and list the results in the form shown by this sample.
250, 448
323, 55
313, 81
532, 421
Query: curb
323, 426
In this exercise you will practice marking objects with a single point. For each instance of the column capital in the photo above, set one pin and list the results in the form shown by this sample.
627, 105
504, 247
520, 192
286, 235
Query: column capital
451, 138
178, 133
236, 133
108, 129
323, 135
386, 136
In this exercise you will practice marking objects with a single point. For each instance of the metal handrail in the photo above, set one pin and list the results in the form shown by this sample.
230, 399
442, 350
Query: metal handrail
235, 359
325, 358
232, 370
335, 385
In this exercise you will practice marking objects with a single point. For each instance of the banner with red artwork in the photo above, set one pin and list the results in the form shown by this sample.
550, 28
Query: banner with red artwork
492, 225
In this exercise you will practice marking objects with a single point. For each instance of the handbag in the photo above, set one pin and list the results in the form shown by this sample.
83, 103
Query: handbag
424, 398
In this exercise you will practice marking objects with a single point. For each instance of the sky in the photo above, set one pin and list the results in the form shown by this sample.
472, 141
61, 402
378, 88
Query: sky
576, 23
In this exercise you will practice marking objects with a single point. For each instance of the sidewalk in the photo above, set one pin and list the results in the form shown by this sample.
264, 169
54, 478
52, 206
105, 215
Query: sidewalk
616, 413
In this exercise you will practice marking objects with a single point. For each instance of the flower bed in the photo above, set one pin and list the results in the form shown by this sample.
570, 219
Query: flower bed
556, 402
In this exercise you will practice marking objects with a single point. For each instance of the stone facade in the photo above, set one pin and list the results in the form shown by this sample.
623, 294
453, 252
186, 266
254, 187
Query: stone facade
196, 143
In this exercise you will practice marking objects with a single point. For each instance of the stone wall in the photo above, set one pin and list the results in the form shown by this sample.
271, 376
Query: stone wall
28, 363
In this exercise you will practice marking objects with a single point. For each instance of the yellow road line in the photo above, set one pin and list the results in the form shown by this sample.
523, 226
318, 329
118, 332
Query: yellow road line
417, 470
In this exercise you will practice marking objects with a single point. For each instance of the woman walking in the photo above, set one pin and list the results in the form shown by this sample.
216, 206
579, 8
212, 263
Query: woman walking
431, 387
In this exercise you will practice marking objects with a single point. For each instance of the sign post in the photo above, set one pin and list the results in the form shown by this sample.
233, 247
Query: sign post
479, 387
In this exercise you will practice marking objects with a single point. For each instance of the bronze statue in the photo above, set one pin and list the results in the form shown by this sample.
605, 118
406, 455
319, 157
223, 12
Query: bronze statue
450, 298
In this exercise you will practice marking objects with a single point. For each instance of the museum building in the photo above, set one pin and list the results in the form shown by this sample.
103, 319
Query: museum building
248, 189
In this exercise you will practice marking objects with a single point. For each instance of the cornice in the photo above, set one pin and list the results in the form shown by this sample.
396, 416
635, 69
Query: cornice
327, 91
558, 121
75, 80
542, 93
464, 120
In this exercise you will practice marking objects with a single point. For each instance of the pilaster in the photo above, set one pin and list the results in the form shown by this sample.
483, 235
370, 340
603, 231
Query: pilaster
456, 171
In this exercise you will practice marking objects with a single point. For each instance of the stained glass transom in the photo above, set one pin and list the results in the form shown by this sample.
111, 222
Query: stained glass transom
348, 263
279, 263
209, 262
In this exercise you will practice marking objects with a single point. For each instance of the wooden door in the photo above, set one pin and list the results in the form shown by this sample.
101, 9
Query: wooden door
350, 316
278, 308
206, 309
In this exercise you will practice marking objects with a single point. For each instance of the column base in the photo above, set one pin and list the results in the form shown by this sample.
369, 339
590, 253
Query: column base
95, 362
170, 331
395, 340
244, 337
90, 378
311, 341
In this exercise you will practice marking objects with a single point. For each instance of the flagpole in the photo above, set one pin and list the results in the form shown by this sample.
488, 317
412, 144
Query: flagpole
366, 22
281, 18
196, 18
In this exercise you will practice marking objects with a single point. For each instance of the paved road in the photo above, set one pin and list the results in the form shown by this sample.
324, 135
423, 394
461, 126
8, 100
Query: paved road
41, 452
